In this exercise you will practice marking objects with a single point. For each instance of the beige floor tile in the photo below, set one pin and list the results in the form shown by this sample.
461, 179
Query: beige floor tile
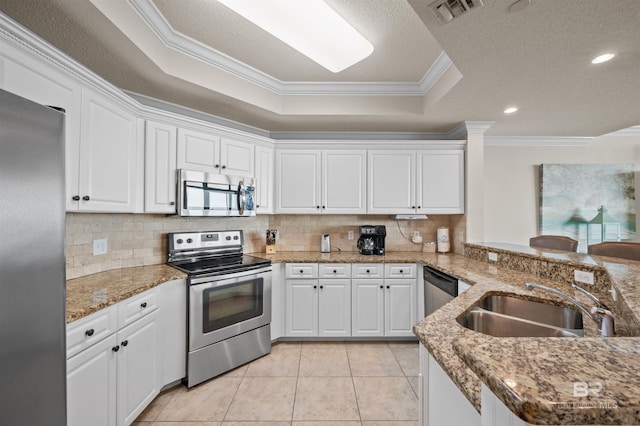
186, 424
252, 424
403, 344
327, 423
236, 372
408, 359
413, 381
206, 402
373, 360
325, 398
283, 361
309, 346
392, 423
325, 361
386, 398
263, 399
157, 405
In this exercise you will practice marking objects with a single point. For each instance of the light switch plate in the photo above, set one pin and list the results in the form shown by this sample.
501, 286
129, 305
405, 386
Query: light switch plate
583, 277
493, 257
99, 247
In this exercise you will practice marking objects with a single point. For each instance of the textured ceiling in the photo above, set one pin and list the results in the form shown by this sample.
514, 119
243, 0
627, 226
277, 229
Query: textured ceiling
537, 59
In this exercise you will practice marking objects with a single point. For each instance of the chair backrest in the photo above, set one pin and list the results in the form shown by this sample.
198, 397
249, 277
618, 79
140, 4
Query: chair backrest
556, 242
620, 249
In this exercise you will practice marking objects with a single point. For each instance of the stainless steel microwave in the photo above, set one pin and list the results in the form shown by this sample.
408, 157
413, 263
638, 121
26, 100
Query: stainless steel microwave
210, 194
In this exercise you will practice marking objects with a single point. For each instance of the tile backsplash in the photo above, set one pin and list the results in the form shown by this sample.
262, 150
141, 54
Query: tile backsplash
140, 239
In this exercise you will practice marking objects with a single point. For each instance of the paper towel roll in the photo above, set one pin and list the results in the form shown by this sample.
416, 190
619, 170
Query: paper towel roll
443, 240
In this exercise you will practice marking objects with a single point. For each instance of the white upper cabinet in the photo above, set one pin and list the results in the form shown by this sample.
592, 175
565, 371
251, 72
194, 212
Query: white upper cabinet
264, 179
409, 182
207, 152
440, 181
236, 158
344, 182
27, 77
315, 181
298, 181
160, 168
198, 151
109, 160
391, 179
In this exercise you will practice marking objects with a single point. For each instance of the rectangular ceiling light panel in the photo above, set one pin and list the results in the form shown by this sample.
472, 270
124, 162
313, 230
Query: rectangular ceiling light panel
309, 26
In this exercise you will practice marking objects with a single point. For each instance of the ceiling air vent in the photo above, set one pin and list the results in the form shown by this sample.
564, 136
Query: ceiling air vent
448, 10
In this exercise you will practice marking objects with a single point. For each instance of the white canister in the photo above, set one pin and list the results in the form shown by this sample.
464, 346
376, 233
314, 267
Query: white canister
443, 240
325, 244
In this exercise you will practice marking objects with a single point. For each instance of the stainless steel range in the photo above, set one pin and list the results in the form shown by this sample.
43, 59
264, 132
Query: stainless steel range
229, 301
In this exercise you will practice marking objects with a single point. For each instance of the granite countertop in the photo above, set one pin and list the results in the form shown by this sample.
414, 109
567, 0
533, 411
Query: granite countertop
345, 257
534, 376
88, 294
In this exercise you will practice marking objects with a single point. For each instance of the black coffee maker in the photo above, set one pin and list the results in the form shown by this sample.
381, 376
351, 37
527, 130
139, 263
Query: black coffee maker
371, 239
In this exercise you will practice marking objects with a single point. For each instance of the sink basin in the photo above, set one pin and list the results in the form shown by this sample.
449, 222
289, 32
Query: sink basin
553, 315
499, 325
508, 316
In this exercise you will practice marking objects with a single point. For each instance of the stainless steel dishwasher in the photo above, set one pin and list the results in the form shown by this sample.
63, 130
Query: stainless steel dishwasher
439, 289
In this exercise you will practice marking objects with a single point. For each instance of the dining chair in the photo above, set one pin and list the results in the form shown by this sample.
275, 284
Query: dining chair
620, 249
556, 242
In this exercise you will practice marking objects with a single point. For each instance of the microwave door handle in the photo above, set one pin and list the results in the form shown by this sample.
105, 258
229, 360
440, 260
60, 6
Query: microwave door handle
241, 197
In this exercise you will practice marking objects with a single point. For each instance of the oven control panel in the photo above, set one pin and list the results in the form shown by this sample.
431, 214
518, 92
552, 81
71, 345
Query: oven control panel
205, 240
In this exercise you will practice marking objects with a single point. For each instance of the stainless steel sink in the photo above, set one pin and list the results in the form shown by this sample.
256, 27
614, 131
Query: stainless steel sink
507, 316
546, 313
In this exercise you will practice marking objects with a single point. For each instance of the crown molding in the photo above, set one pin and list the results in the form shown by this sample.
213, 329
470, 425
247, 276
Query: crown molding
629, 131
177, 41
529, 141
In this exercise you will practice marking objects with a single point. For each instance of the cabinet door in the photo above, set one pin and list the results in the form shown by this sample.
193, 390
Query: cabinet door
441, 181
236, 158
108, 156
400, 307
138, 366
367, 309
160, 168
344, 182
198, 151
91, 385
334, 307
301, 314
27, 77
264, 179
391, 182
298, 181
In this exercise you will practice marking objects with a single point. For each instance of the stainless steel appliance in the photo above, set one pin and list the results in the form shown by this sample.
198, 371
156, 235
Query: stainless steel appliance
439, 289
32, 264
229, 301
209, 194
371, 239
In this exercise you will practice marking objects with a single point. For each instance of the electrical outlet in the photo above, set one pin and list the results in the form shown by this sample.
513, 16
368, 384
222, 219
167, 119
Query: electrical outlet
583, 277
99, 247
350, 235
493, 256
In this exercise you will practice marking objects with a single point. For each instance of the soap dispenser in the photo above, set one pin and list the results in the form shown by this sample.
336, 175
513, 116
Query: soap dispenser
325, 244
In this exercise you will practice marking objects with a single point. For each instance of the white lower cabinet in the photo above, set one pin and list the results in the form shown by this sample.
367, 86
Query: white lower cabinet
385, 306
317, 307
441, 402
110, 381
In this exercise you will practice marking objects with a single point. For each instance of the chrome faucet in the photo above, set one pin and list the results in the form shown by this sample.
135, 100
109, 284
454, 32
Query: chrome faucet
599, 313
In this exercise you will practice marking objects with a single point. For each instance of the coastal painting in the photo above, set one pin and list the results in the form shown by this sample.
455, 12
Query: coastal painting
590, 203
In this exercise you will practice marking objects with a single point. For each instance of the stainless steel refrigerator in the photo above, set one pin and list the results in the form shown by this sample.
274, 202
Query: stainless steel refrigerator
32, 264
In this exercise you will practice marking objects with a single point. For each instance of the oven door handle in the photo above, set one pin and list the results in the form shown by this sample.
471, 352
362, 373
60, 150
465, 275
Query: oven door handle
242, 195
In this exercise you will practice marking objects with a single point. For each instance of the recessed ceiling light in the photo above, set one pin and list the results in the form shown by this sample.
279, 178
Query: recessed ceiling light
602, 58
311, 27
510, 110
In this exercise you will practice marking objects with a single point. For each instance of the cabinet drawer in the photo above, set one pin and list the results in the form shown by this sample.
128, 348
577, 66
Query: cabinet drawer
91, 329
136, 307
367, 270
400, 270
334, 270
302, 270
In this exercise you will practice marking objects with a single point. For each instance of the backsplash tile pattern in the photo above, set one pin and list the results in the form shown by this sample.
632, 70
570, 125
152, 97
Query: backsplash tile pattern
140, 239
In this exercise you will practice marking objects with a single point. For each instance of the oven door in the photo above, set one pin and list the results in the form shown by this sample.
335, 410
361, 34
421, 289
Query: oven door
225, 306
